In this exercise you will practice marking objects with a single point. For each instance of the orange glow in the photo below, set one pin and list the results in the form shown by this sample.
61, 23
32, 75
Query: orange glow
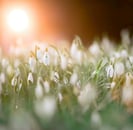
18, 20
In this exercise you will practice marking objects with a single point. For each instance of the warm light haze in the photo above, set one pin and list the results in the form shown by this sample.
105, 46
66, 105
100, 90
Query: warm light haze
18, 20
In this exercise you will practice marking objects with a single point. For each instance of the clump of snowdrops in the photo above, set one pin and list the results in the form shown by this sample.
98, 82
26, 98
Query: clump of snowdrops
68, 88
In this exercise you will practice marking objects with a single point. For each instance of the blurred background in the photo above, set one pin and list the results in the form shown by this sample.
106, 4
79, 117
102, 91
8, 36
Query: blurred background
55, 20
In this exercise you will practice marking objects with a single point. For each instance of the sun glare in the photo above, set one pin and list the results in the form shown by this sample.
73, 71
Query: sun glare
18, 20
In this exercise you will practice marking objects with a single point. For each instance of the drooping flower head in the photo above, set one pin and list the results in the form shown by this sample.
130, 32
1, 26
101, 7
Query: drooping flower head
46, 57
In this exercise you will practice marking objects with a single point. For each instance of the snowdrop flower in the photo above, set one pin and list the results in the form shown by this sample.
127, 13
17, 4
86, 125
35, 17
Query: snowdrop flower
30, 77
14, 81
56, 77
32, 63
39, 89
39, 54
119, 69
60, 97
2, 78
110, 71
46, 58
73, 78
64, 62
75, 51
46, 108
46, 86
87, 96
94, 49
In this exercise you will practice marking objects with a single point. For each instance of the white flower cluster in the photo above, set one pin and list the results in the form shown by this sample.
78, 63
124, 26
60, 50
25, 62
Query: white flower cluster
50, 75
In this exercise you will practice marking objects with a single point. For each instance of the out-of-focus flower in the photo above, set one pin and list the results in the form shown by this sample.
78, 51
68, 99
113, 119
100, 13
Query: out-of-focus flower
14, 81
96, 120
60, 97
46, 58
30, 78
129, 79
46, 108
79, 56
76, 51
10, 70
107, 45
64, 62
94, 49
46, 86
87, 96
119, 69
73, 49
128, 64
39, 89
131, 59
127, 95
4, 62
65, 80
117, 55
73, 78
125, 37
32, 63
110, 71
2, 78
113, 84
127, 91
54, 56
124, 54
112, 59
